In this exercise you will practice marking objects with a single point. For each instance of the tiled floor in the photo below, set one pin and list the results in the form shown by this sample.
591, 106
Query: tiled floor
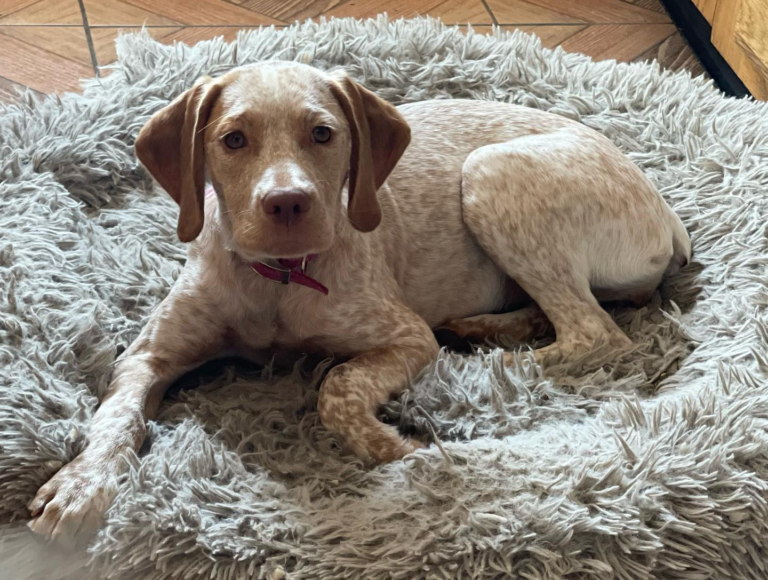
47, 45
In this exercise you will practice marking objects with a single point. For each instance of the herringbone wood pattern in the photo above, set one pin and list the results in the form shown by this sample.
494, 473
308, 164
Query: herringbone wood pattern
48, 45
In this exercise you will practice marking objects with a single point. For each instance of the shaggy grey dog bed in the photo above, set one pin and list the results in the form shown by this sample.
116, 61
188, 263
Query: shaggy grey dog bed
656, 467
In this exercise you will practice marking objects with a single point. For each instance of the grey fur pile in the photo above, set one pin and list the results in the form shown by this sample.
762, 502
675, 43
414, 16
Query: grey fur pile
656, 467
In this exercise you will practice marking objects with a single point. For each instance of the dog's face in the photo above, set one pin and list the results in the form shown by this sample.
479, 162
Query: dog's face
277, 150
279, 142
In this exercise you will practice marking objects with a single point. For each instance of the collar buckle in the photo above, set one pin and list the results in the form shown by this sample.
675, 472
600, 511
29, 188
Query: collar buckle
285, 274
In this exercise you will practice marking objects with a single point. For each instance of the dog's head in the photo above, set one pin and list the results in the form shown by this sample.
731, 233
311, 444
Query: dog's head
279, 142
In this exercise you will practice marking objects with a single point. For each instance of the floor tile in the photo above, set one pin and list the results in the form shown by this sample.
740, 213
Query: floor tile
290, 10
450, 11
674, 53
596, 11
8, 7
522, 12
40, 12
552, 36
654, 5
170, 12
65, 41
461, 12
119, 13
39, 69
622, 42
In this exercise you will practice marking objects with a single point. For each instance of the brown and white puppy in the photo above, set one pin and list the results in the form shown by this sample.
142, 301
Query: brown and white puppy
440, 213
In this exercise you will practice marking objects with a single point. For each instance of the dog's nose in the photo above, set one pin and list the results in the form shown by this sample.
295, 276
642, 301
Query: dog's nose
286, 205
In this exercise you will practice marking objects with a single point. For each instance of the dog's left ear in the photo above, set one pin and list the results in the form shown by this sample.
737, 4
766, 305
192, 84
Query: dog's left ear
171, 146
380, 135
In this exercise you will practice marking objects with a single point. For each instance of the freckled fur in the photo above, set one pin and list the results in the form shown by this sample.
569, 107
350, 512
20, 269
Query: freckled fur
485, 193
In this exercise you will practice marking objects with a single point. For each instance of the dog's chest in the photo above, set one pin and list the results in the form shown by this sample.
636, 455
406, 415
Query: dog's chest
300, 321
284, 318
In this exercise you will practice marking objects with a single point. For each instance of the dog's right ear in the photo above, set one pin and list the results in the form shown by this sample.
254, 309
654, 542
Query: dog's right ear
171, 146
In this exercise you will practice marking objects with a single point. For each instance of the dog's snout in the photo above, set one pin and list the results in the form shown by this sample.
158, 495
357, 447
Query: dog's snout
286, 205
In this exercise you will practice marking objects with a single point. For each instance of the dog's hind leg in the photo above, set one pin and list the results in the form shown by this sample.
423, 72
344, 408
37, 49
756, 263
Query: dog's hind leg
556, 217
519, 325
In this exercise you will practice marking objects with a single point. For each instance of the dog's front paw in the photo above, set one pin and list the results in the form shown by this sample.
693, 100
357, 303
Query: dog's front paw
74, 501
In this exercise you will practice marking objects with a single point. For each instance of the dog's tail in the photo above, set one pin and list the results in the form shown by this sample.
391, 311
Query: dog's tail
681, 245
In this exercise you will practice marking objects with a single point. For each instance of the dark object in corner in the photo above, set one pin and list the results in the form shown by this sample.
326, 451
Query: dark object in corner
698, 33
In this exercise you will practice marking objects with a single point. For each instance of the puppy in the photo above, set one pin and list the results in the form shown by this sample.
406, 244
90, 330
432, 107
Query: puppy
337, 223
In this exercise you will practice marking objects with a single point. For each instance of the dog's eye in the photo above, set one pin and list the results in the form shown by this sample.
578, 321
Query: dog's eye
321, 134
235, 140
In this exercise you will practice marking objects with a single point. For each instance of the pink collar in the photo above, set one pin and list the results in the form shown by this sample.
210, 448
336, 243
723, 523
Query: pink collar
290, 270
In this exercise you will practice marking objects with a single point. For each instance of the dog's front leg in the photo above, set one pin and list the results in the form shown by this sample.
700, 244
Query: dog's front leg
352, 392
181, 334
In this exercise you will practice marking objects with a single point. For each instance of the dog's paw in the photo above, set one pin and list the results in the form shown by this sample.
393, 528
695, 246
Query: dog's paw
74, 501
592, 353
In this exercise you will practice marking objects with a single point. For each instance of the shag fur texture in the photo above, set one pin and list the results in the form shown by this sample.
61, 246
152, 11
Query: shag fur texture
656, 467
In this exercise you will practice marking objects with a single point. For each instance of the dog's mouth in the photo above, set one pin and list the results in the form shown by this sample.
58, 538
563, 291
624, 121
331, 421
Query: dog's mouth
257, 239
291, 248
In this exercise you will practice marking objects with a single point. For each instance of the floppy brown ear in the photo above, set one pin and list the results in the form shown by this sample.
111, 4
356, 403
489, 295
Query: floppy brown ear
380, 135
171, 147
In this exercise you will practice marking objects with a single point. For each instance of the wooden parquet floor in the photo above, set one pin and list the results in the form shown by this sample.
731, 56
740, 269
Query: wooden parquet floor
48, 45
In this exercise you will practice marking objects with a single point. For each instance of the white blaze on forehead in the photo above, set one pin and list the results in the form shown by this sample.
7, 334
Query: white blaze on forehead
269, 76
252, 90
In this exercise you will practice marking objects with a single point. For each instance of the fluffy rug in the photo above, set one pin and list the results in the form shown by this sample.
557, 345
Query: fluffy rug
656, 467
